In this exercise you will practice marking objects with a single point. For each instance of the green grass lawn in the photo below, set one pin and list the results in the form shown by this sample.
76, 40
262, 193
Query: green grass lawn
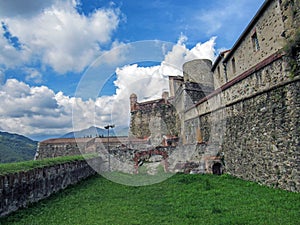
182, 199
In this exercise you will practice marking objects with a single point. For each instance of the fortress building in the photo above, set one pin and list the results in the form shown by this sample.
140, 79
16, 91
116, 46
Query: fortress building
243, 111
240, 115
157, 117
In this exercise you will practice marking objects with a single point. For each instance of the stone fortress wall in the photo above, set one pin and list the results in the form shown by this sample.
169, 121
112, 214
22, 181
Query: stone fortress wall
244, 110
242, 113
252, 117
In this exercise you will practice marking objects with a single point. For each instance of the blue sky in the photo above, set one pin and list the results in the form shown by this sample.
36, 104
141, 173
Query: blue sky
49, 46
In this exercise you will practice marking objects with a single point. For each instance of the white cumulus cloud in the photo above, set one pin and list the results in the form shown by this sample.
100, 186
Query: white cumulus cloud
37, 110
58, 35
27, 110
172, 65
149, 82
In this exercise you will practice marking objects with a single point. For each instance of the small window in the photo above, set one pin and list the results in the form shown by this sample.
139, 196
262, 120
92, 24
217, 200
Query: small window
255, 42
219, 73
225, 71
233, 65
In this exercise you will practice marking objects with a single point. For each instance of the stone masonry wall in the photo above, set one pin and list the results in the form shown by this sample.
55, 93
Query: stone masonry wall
258, 127
262, 139
50, 150
64, 146
269, 29
272, 29
162, 119
290, 16
18, 190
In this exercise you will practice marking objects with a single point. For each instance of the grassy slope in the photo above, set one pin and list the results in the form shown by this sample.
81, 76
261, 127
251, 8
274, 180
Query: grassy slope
182, 199
7, 168
15, 148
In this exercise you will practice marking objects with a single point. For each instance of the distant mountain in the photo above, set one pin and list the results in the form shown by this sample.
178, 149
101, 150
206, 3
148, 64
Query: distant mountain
90, 132
16, 148
96, 132
121, 131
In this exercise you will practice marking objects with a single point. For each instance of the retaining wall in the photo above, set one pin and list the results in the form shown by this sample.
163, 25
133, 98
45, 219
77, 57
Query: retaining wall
18, 190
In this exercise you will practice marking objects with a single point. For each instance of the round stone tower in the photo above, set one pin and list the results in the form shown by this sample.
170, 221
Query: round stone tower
199, 71
133, 102
198, 81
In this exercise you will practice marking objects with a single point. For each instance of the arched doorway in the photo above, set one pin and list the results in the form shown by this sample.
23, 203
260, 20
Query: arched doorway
217, 168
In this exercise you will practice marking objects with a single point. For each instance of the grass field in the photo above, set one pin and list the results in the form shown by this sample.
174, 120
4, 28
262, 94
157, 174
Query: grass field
182, 199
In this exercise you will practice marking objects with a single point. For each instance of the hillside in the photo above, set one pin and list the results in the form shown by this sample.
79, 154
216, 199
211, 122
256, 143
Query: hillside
16, 148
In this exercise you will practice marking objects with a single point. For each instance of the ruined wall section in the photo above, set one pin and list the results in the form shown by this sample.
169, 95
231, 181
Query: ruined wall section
155, 119
70, 146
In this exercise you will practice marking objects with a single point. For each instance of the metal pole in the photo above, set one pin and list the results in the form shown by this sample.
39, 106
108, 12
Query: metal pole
108, 147
108, 151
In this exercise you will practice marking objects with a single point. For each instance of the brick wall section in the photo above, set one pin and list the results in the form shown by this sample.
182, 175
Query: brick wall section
20, 189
